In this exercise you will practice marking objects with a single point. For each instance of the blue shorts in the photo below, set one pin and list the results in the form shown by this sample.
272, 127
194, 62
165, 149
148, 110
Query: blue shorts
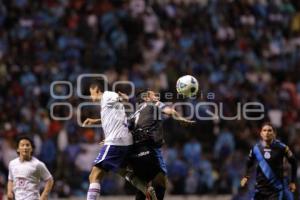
160, 159
112, 158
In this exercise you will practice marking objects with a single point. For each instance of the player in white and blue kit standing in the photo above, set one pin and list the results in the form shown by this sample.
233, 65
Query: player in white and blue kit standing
118, 139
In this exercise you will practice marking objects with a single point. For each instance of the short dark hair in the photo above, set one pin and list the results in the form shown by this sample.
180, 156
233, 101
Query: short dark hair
97, 83
25, 137
268, 124
139, 96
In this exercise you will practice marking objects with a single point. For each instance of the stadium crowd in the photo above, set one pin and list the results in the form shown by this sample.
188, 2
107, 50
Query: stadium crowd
239, 50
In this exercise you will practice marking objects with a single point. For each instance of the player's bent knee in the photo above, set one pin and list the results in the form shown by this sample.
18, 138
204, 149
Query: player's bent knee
164, 182
95, 175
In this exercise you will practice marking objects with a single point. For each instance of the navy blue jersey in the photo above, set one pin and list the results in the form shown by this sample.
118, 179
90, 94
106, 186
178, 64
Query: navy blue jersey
147, 124
273, 155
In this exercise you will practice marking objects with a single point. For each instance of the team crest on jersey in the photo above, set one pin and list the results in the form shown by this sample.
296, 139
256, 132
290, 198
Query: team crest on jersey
267, 155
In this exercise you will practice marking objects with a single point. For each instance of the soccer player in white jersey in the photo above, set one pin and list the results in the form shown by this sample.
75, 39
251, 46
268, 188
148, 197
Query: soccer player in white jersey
25, 174
117, 143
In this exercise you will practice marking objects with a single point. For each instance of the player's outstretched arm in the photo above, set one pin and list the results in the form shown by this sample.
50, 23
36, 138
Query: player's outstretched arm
47, 189
293, 162
172, 112
90, 121
10, 194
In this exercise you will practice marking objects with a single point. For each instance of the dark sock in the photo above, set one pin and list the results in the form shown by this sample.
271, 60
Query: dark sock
160, 192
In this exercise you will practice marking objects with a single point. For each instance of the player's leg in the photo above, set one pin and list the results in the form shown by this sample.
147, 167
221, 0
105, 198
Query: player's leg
153, 163
150, 195
144, 189
160, 184
258, 196
140, 196
95, 178
160, 181
276, 196
108, 159
268, 196
141, 163
156, 170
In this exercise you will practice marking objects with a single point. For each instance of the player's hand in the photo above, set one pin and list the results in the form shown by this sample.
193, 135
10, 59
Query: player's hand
244, 182
123, 96
89, 121
190, 121
101, 143
186, 122
292, 187
10, 196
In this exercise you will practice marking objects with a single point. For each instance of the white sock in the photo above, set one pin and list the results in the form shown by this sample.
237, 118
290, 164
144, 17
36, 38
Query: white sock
94, 191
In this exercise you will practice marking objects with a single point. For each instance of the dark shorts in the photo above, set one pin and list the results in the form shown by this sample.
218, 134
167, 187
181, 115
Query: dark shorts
285, 194
271, 196
147, 162
112, 158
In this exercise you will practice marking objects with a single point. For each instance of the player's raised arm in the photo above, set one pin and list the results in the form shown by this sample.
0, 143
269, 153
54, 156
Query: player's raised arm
172, 112
123, 97
90, 121
250, 164
293, 162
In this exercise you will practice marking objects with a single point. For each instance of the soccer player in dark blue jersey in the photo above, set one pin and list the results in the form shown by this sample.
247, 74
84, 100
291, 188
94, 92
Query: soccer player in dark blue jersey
269, 155
147, 161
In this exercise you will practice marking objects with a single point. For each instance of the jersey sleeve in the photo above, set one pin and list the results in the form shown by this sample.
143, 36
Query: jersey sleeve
293, 162
287, 152
10, 175
109, 98
44, 172
250, 163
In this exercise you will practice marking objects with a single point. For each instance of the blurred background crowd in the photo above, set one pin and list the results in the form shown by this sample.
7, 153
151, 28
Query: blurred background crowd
239, 50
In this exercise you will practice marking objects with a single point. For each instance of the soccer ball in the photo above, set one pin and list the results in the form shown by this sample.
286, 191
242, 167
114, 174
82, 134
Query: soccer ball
187, 86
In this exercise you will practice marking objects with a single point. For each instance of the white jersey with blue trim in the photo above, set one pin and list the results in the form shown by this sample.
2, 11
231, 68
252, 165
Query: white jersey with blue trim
114, 120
